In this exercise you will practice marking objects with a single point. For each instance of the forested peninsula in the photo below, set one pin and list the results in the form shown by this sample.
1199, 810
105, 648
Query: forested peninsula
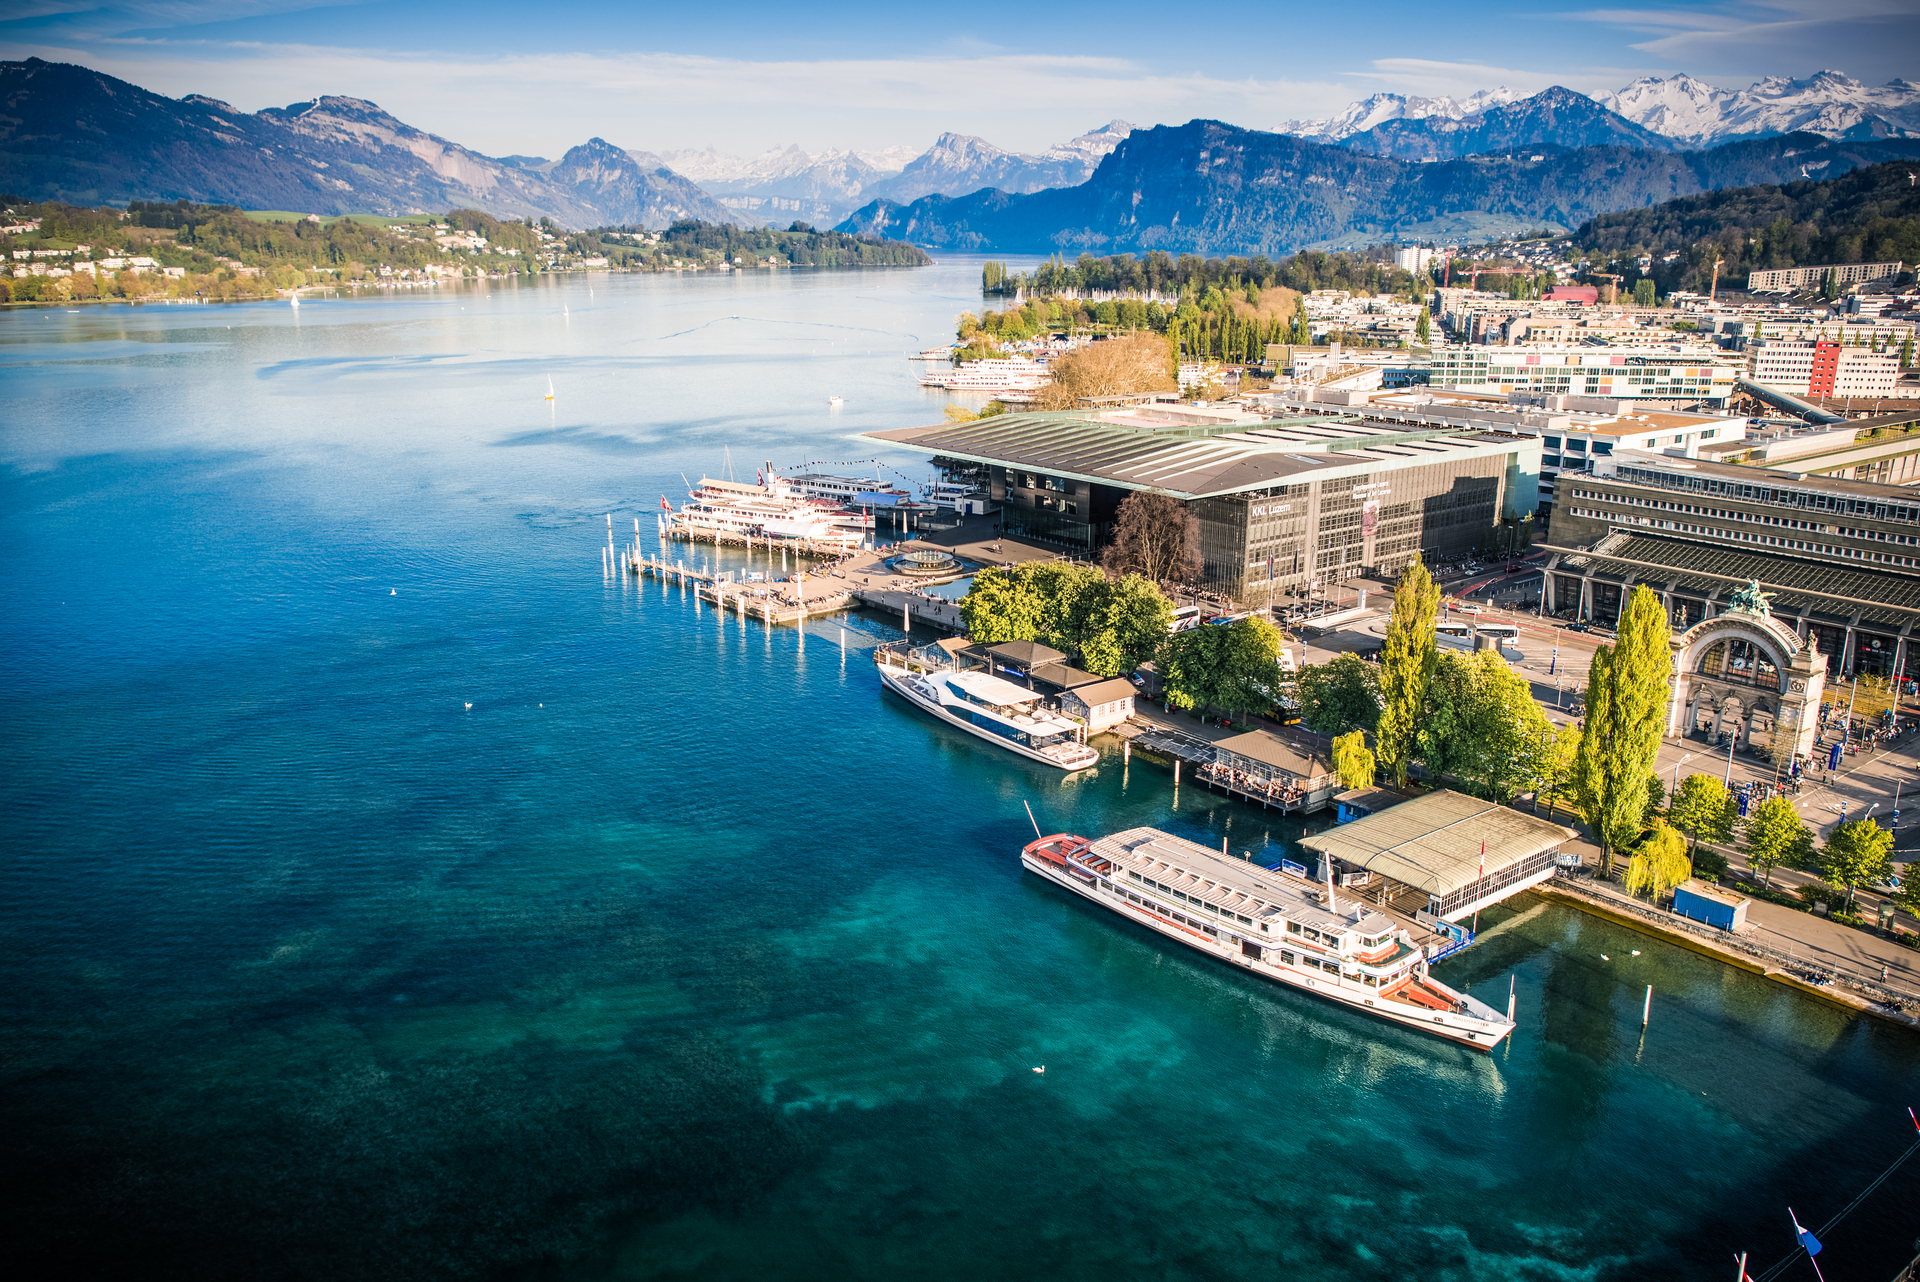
62, 253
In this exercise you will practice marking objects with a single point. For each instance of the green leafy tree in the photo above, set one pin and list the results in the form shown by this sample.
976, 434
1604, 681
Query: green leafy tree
1352, 761
1000, 606
1406, 666
1482, 725
1234, 668
1339, 695
1251, 666
1857, 853
1656, 800
1776, 835
1906, 353
1193, 663
1123, 624
1423, 327
1660, 864
1626, 710
1643, 293
1705, 811
1556, 774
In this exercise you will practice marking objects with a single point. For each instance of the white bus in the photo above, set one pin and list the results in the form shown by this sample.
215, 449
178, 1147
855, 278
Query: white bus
1457, 632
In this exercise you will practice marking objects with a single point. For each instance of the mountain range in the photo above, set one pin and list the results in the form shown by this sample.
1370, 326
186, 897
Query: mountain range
1685, 111
827, 186
1490, 164
1211, 188
69, 133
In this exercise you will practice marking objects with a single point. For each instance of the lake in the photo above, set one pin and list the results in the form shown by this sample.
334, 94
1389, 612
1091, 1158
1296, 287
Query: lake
389, 893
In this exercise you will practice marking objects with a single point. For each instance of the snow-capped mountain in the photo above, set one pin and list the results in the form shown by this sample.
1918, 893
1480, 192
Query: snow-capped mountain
1684, 108
824, 187
1827, 103
1382, 107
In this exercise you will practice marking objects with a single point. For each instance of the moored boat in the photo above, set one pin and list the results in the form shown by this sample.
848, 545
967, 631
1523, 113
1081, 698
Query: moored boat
993, 709
1272, 924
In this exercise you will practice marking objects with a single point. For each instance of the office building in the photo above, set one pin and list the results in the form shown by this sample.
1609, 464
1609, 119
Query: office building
1790, 279
1674, 378
1814, 368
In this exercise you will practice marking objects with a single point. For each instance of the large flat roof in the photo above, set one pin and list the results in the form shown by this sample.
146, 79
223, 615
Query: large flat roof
1434, 843
1797, 584
1125, 449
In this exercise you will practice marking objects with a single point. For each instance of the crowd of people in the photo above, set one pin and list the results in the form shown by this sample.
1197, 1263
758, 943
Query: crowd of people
1275, 790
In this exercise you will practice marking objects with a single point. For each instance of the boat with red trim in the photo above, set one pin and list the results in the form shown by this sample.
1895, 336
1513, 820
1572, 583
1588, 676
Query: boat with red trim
1270, 923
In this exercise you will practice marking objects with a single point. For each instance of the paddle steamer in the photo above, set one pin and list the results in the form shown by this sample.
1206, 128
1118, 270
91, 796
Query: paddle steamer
1272, 924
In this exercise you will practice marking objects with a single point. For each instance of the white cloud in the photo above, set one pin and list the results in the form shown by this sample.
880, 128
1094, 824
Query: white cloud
544, 103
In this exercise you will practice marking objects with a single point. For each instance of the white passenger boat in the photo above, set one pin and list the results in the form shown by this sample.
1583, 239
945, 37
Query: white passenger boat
767, 509
1275, 925
996, 710
996, 375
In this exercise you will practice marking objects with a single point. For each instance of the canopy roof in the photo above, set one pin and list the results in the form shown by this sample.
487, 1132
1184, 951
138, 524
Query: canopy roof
1434, 843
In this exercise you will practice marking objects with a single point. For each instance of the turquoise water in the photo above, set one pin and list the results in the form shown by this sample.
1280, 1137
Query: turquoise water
682, 952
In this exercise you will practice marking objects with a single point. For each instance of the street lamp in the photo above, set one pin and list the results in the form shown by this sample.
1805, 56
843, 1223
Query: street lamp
1676, 777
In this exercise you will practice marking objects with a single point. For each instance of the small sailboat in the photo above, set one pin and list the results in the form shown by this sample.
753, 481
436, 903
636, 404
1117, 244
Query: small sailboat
834, 400
549, 387
294, 299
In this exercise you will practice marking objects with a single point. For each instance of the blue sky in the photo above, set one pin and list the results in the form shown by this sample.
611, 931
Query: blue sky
748, 75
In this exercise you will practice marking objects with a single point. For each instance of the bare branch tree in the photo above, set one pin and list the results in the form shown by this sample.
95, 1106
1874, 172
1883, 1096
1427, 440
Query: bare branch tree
1156, 537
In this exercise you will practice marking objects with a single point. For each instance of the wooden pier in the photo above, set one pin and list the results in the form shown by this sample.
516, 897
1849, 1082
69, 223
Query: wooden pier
770, 603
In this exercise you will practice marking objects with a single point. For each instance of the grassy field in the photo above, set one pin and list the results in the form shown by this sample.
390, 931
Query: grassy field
378, 220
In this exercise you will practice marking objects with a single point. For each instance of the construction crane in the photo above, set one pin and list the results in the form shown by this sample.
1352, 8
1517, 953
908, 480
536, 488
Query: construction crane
1713, 290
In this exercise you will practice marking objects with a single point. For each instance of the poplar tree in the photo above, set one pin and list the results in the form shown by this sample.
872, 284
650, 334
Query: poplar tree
1406, 666
1627, 689
1423, 328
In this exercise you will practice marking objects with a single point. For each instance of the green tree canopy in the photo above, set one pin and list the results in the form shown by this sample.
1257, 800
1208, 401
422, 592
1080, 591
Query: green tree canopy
1857, 853
1482, 726
1776, 835
1626, 712
1235, 668
1352, 761
1704, 810
1660, 864
1556, 774
1339, 695
1406, 665
1112, 625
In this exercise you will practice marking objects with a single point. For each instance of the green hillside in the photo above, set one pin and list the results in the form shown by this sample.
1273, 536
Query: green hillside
1870, 215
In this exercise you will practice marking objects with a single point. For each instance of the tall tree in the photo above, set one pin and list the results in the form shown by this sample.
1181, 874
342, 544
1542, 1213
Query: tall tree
1556, 774
1627, 688
1156, 537
1339, 695
1122, 623
1776, 835
1406, 666
1423, 327
1858, 853
1251, 666
1704, 810
1351, 760
1001, 606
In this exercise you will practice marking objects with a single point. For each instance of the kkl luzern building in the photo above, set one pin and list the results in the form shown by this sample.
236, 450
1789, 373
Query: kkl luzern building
1284, 505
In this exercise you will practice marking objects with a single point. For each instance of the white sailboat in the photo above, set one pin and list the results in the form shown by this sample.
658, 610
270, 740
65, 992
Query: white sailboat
549, 387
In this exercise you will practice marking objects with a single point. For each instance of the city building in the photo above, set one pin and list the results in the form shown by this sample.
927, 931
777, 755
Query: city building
1813, 368
1788, 280
1673, 378
1840, 558
1413, 258
1573, 431
1284, 506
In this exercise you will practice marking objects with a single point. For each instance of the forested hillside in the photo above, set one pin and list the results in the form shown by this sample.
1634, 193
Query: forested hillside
1867, 216
1210, 188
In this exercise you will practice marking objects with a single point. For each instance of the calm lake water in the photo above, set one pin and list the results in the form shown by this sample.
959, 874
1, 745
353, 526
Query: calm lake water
681, 952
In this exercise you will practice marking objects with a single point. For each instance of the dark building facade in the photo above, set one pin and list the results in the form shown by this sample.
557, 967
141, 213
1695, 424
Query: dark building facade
1283, 506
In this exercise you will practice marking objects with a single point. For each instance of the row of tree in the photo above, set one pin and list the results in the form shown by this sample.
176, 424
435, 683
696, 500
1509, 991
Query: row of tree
1191, 275
1112, 625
